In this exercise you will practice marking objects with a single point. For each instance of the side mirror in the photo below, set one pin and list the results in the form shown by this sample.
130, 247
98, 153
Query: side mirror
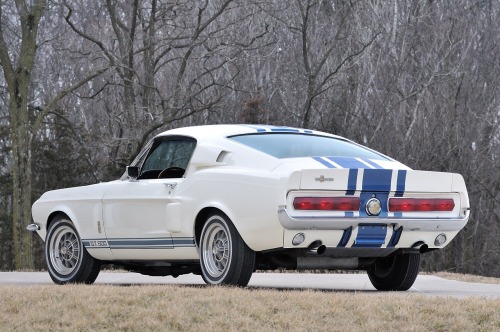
133, 172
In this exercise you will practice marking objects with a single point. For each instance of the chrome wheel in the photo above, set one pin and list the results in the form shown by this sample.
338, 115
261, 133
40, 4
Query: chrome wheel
225, 259
67, 259
64, 250
216, 250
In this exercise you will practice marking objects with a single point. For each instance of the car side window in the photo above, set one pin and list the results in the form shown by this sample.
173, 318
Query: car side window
167, 153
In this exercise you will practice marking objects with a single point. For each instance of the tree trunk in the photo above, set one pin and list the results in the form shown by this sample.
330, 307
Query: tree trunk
21, 179
17, 74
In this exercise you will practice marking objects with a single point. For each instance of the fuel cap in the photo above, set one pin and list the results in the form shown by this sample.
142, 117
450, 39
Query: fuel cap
373, 207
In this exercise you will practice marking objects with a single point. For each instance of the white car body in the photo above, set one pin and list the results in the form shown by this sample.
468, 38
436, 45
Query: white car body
147, 224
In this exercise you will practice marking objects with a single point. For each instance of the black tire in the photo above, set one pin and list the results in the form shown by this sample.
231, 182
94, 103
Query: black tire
396, 273
67, 259
225, 259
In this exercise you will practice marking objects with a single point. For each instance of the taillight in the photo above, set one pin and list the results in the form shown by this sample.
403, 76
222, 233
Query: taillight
420, 204
327, 203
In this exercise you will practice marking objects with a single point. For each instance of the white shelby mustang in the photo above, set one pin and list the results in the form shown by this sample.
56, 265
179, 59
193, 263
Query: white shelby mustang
225, 200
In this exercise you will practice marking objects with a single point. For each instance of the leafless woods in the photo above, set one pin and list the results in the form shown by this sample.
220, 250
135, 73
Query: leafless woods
85, 84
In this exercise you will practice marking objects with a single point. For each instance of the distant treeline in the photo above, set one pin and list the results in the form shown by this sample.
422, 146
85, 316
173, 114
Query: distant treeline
85, 84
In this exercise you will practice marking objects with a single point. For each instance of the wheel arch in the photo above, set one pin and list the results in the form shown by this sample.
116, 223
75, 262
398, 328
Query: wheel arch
54, 216
273, 237
59, 214
74, 264
201, 219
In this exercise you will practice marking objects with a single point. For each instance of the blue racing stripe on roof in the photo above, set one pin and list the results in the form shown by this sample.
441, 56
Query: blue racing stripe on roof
324, 162
349, 162
377, 180
285, 129
268, 128
371, 163
259, 129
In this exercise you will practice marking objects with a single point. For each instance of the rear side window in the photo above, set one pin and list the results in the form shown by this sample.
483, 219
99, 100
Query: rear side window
288, 145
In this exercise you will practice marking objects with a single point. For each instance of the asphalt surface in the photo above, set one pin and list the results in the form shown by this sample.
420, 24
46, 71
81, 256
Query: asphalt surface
425, 284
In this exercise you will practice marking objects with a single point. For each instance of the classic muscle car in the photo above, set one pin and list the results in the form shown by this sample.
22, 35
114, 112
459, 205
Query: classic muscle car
226, 200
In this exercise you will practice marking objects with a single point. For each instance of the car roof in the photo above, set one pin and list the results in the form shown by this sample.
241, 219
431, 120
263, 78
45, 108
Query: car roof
225, 130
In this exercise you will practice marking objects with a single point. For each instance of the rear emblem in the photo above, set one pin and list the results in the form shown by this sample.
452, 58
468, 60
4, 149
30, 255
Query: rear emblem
373, 207
323, 179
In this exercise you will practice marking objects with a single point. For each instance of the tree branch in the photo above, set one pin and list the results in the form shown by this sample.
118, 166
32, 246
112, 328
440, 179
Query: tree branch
48, 108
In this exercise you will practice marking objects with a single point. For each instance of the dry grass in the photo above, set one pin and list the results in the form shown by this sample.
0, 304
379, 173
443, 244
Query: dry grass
467, 278
162, 308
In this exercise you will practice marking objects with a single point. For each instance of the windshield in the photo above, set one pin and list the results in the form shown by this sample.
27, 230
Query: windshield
288, 145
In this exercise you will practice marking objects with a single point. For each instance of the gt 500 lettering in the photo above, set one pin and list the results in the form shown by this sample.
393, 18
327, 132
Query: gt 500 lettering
98, 243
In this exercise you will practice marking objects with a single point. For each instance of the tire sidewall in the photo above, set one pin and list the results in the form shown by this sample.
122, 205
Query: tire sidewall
56, 276
220, 220
399, 276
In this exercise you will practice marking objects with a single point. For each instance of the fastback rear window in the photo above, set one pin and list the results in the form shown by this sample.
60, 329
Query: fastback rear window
287, 145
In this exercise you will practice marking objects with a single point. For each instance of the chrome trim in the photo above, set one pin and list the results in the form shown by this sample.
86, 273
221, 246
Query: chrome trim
341, 223
33, 227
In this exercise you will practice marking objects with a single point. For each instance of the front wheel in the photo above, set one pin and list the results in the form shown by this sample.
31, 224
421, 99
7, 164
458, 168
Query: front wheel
396, 273
225, 259
67, 259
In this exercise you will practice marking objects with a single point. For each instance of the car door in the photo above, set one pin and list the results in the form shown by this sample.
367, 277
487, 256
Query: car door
135, 210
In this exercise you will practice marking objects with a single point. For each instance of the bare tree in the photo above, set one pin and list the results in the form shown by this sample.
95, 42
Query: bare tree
18, 61
171, 62
417, 80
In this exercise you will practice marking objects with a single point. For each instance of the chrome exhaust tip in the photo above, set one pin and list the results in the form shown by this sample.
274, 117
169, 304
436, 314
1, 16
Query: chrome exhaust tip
316, 248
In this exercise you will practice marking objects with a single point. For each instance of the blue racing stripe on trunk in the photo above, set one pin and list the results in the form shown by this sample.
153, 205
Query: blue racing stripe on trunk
351, 181
377, 180
401, 183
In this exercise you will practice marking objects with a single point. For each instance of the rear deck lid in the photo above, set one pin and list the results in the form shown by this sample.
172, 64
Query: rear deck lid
375, 180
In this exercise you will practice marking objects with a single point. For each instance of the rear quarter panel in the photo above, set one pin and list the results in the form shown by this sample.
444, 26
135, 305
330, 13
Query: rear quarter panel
249, 198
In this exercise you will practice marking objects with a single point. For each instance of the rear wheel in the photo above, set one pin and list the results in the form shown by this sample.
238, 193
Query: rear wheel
225, 259
396, 273
67, 259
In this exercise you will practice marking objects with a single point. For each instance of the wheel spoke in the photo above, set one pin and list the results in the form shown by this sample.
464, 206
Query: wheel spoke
216, 250
64, 250
224, 257
65, 255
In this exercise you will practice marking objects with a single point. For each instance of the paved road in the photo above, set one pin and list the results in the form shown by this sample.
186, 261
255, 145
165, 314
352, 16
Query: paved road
425, 284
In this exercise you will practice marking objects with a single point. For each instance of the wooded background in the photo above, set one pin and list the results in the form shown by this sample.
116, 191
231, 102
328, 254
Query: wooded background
85, 83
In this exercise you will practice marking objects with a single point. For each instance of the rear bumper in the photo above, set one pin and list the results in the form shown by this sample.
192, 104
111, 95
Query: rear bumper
342, 223
353, 234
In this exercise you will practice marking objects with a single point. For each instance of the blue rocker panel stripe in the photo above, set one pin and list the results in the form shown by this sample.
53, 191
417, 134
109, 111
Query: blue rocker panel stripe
136, 243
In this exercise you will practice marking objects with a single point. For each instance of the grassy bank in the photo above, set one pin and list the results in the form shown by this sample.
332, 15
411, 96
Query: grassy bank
162, 307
